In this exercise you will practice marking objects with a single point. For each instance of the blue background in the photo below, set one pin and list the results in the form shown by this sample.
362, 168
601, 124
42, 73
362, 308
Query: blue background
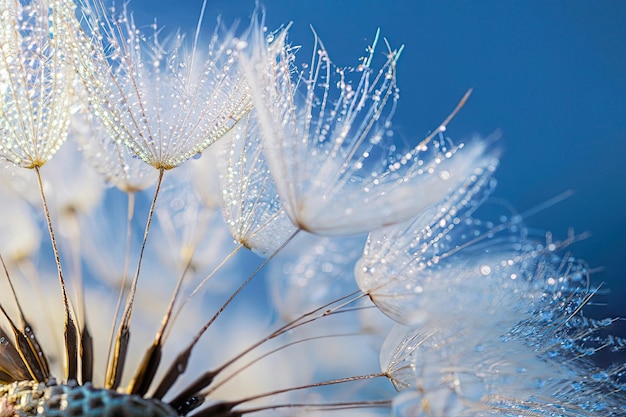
550, 75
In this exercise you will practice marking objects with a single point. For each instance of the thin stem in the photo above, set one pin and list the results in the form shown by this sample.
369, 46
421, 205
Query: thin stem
130, 210
223, 381
314, 385
152, 358
17, 303
72, 228
182, 401
27, 346
205, 280
71, 237
114, 372
316, 406
300, 321
223, 408
71, 330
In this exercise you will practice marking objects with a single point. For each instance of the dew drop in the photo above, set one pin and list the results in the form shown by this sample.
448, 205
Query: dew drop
600, 376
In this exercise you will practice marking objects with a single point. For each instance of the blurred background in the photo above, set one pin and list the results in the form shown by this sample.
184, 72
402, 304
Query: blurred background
550, 76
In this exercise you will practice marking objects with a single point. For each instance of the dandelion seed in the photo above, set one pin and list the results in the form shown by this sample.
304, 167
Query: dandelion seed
164, 103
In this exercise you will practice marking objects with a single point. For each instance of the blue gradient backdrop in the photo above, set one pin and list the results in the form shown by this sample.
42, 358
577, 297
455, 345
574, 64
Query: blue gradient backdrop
550, 75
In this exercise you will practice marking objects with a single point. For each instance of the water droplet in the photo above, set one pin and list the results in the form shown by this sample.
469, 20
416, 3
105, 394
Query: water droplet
197, 156
485, 270
600, 376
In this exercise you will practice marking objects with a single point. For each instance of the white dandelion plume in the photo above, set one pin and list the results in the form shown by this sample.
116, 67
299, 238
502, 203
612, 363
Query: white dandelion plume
36, 81
504, 334
249, 199
36, 78
164, 102
327, 139
399, 261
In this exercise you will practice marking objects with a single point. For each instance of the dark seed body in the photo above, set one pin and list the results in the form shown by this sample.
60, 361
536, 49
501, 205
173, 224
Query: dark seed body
28, 398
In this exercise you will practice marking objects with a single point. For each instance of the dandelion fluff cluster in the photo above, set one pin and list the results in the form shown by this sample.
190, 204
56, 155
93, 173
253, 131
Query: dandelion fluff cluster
392, 287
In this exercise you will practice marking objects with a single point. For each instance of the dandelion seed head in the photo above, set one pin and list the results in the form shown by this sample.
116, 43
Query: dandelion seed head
475, 317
